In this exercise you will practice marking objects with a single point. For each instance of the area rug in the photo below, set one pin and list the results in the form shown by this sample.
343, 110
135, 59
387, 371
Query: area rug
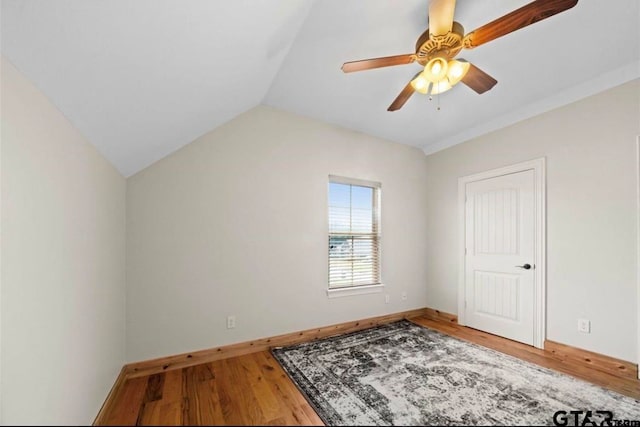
405, 374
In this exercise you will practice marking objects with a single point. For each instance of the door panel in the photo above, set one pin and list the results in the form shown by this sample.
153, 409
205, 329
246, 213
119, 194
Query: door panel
497, 295
497, 227
499, 237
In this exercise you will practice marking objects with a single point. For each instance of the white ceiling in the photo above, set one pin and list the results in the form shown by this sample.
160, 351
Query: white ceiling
141, 78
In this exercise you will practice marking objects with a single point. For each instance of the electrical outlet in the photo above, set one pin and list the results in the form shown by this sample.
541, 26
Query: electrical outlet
404, 296
231, 322
584, 326
387, 298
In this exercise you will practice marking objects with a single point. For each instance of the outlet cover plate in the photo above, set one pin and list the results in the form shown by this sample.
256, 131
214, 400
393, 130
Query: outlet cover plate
231, 322
584, 326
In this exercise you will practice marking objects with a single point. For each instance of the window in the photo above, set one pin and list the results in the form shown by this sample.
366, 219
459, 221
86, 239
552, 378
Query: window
354, 233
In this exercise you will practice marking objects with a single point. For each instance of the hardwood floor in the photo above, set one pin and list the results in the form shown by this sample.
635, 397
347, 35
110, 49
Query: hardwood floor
254, 390
245, 390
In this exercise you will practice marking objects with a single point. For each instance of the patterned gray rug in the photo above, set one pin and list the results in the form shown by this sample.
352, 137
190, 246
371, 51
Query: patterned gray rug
404, 374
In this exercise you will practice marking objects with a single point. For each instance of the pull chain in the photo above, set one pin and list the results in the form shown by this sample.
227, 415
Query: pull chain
437, 100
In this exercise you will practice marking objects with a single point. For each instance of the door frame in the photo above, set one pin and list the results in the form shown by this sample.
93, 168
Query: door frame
638, 240
540, 231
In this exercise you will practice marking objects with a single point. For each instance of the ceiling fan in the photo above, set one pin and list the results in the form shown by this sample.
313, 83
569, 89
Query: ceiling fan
445, 38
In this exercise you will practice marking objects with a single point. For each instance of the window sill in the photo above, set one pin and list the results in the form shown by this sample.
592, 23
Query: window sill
355, 290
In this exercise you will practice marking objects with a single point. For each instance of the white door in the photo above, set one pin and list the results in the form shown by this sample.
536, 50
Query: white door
499, 258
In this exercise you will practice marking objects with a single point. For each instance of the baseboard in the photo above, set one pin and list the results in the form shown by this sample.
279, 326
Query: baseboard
164, 364
109, 401
597, 361
440, 315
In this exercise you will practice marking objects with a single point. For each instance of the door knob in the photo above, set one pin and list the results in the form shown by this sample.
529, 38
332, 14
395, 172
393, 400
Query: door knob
526, 266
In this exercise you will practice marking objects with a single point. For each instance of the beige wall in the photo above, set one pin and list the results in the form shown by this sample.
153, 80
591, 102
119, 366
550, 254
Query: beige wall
63, 276
236, 224
591, 214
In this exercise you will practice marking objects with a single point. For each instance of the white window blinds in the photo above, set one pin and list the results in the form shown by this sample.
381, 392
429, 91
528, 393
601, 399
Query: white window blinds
354, 233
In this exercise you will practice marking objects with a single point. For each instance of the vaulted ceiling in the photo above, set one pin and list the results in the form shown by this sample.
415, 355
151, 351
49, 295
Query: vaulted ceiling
141, 78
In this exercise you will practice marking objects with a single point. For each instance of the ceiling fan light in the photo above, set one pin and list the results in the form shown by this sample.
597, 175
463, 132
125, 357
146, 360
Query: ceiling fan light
436, 69
420, 84
441, 86
457, 71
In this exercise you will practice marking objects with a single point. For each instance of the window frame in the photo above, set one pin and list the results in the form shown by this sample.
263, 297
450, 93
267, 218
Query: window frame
377, 221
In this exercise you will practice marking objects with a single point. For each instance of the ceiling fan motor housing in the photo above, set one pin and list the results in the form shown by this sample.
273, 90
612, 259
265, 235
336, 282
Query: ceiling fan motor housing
445, 46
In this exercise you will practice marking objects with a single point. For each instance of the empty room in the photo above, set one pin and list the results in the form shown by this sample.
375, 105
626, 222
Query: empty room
319, 212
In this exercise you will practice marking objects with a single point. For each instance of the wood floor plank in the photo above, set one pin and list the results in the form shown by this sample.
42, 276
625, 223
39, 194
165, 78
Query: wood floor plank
253, 389
170, 413
201, 400
243, 381
163, 398
231, 404
150, 414
314, 419
155, 387
128, 403
291, 400
172, 386
211, 411
264, 396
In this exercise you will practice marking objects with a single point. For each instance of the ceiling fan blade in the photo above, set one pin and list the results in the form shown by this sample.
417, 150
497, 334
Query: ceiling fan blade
402, 98
478, 80
519, 18
369, 64
441, 16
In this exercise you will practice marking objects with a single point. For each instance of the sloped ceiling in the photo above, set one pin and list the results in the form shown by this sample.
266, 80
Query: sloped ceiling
141, 78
